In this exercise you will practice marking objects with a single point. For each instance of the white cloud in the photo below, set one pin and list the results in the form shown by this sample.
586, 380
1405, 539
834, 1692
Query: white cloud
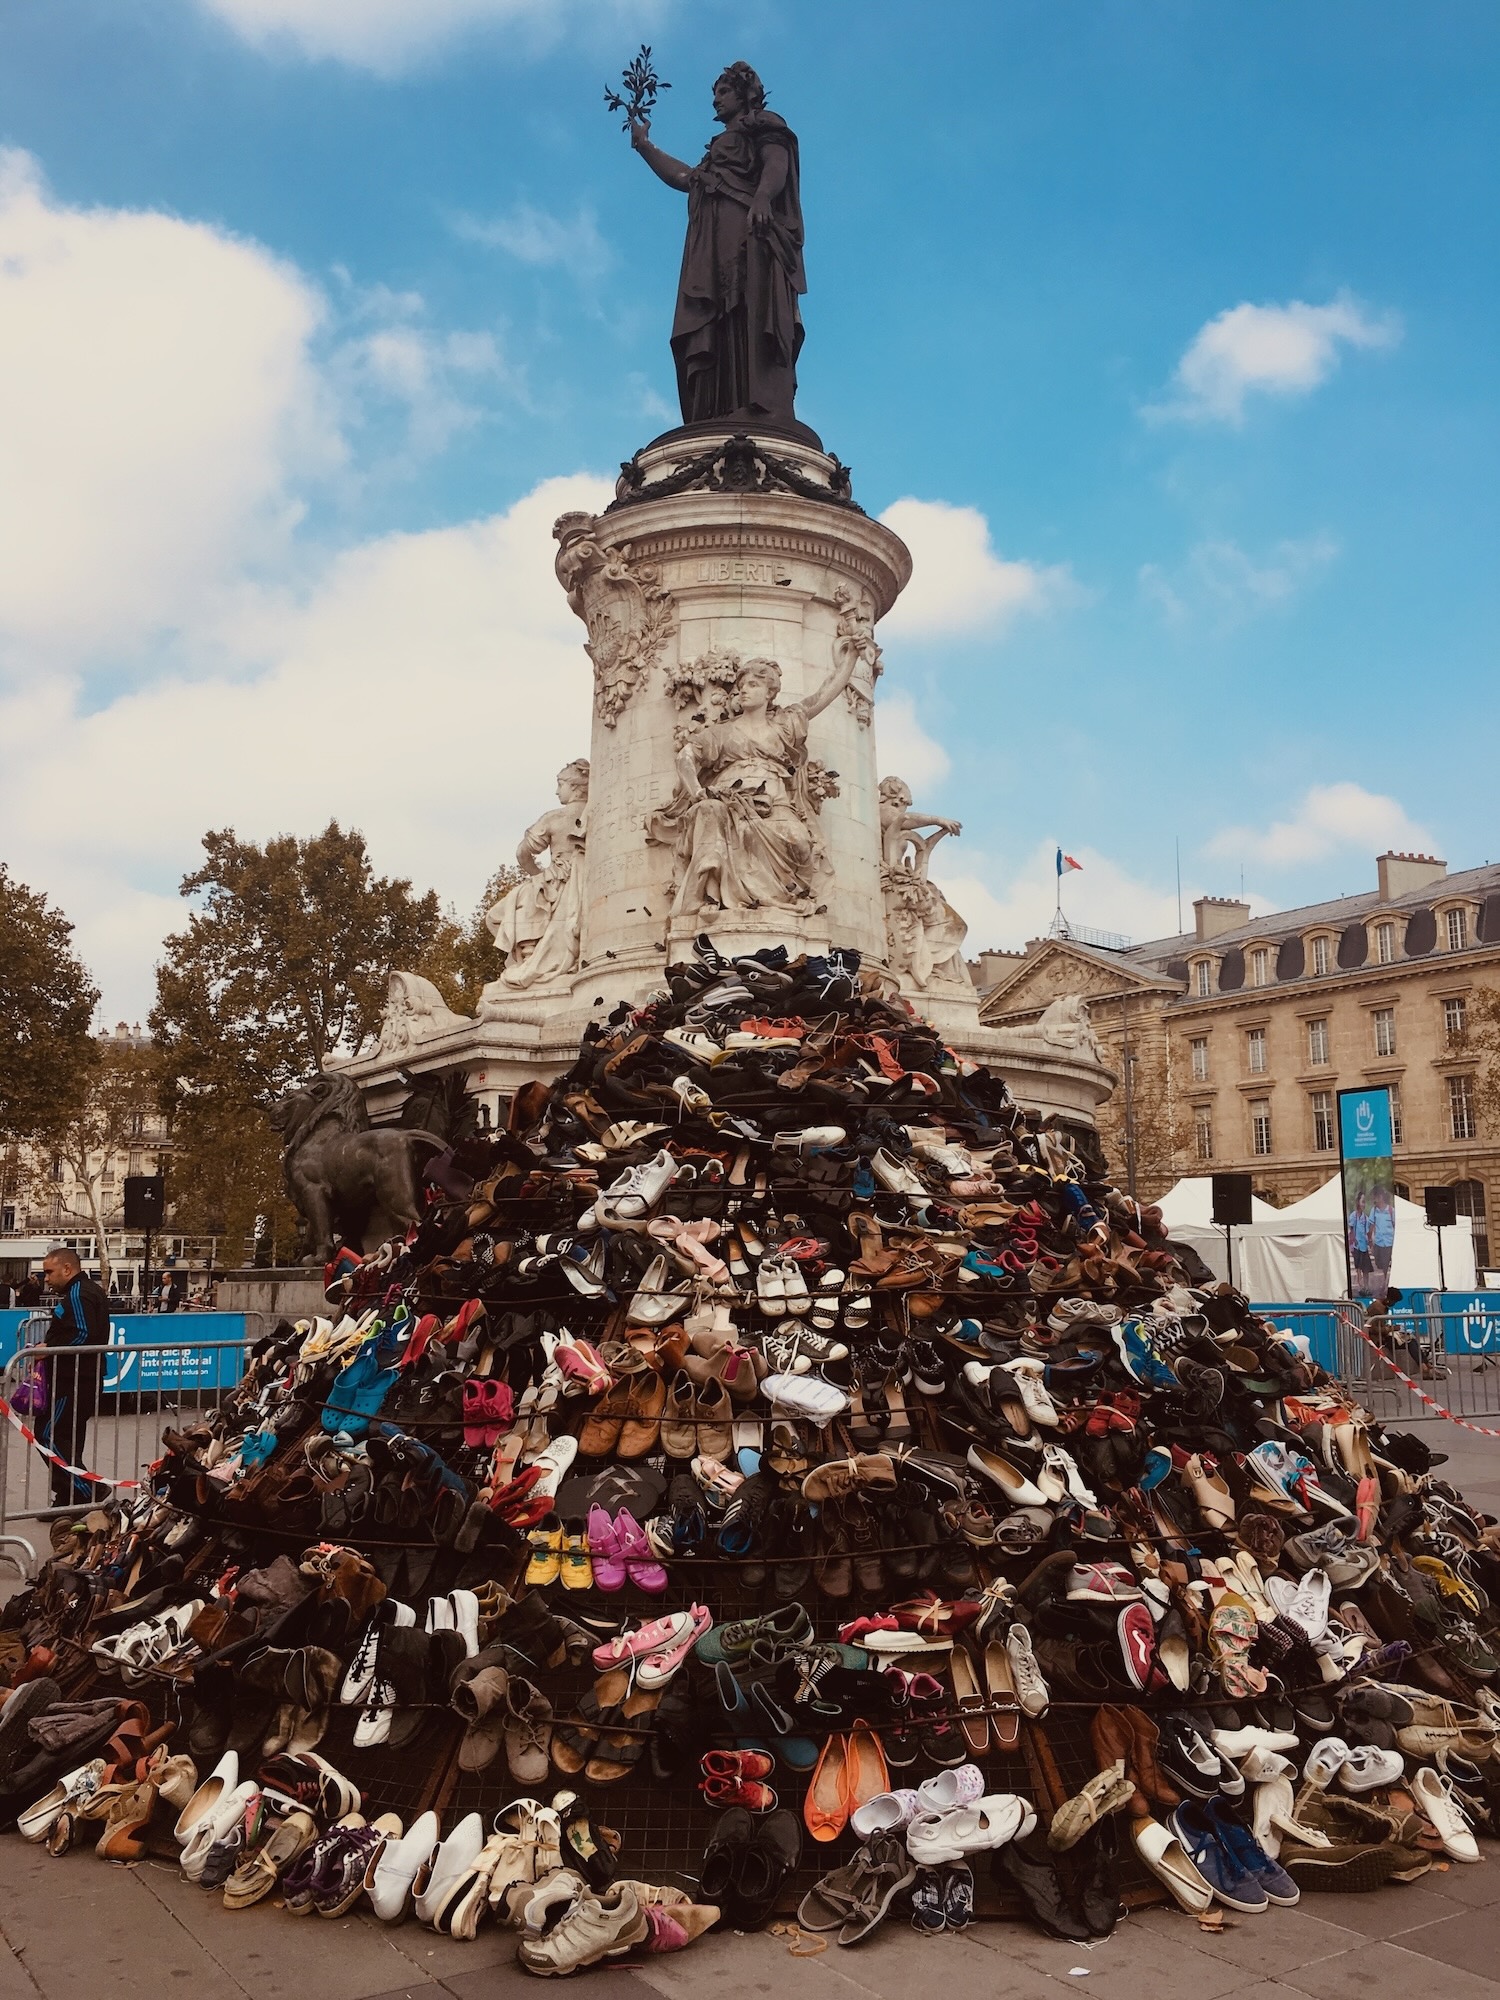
958, 582
535, 236
904, 748
388, 36
393, 697
158, 408
1221, 580
1270, 351
1103, 897
1327, 819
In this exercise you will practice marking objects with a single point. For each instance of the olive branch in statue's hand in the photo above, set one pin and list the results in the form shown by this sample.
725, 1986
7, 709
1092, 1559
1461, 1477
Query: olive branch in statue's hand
637, 97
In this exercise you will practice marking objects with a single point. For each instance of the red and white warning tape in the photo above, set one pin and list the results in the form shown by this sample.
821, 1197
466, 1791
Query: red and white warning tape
1479, 1430
77, 1471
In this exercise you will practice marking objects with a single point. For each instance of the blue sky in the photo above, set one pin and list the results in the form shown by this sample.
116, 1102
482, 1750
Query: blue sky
1166, 330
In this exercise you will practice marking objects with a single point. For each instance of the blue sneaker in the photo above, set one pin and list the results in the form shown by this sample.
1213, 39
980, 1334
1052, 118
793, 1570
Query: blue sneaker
1140, 1358
1232, 1886
1249, 1855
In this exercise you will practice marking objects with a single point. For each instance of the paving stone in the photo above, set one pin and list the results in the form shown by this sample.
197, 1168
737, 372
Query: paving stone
1267, 1946
271, 1955
1388, 1972
1469, 1941
56, 1923
1385, 1912
16, 1983
1136, 1962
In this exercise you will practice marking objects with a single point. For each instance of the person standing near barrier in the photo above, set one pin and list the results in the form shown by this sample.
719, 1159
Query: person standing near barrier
77, 1337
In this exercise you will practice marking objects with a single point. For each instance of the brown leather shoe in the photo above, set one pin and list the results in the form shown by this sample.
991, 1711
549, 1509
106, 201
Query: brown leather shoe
641, 1431
599, 1432
1113, 1740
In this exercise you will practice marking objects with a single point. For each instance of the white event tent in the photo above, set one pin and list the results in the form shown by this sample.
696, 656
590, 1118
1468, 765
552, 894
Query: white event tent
1287, 1255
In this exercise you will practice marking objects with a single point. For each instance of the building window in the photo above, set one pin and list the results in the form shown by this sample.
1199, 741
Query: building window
1402, 1189
1322, 1121
1199, 1049
1385, 944
1317, 1041
136, 1162
1385, 1031
1468, 1199
1255, 1051
1320, 957
1458, 929
1455, 1019
1260, 968
1203, 976
1461, 1119
1203, 1133
1260, 1126
1398, 1129
137, 1124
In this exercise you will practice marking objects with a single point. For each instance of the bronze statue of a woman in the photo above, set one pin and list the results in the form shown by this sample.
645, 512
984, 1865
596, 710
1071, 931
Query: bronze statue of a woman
737, 329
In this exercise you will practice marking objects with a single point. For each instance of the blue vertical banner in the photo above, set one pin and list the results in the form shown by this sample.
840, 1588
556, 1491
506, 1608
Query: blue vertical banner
1368, 1173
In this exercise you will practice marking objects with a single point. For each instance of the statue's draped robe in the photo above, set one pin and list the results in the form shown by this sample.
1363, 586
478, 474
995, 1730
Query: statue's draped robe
738, 329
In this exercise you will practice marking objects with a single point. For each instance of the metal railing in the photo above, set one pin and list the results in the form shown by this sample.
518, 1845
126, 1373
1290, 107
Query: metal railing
1450, 1354
104, 1410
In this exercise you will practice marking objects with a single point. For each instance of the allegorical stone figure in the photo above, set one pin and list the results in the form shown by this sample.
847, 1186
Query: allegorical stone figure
743, 821
538, 923
924, 933
737, 328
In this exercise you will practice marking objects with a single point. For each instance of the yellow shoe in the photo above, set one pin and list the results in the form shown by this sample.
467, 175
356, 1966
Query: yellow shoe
546, 1551
577, 1568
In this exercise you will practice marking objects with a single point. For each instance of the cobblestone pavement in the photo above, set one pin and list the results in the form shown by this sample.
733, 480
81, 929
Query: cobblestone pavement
83, 1929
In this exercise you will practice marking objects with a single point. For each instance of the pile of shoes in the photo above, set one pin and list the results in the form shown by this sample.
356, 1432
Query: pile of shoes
778, 1421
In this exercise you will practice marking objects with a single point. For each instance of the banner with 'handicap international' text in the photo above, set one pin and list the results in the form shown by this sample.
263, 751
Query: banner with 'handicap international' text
1369, 1181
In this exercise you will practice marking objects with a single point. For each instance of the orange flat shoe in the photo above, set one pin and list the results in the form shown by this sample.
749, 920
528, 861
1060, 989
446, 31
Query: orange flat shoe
865, 1773
825, 1810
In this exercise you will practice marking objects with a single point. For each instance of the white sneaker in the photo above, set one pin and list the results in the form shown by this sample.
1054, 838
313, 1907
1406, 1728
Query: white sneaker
1038, 1405
594, 1927
1237, 1743
804, 1396
1325, 1760
1031, 1688
1366, 1769
1437, 1798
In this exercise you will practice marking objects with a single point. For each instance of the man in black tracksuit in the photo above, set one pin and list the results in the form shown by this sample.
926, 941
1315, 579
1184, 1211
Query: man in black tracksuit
79, 1334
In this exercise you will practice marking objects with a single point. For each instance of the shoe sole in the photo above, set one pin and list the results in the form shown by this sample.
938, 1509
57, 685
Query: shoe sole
1351, 1873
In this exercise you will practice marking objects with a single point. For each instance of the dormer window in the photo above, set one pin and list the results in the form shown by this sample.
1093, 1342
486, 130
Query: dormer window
1260, 966
1385, 944
1457, 921
1320, 957
1203, 977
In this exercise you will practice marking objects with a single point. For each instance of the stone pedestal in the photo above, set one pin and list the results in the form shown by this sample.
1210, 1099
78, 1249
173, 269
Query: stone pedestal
720, 550
716, 554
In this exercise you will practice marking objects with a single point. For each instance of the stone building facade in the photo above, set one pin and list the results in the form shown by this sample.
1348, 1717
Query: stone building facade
1238, 1035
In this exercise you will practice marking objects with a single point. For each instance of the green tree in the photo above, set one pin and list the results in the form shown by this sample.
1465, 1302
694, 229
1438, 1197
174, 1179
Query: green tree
47, 1002
283, 964
120, 1091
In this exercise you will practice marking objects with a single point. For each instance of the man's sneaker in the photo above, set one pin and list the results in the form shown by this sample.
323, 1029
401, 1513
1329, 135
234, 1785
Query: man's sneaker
593, 1928
1232, 1884
1140, 1357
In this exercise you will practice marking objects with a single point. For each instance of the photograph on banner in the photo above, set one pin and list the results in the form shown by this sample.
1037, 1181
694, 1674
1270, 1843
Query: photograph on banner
1369, 1182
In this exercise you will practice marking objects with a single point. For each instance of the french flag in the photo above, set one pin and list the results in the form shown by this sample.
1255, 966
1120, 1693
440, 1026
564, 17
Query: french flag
1066, 864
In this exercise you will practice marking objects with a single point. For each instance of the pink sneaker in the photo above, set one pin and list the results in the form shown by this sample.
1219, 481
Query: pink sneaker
663, 1932
644, 1571
646, 1639
658, 1667
606, 1551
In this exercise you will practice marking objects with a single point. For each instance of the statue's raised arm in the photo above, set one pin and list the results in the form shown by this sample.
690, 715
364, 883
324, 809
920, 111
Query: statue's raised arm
737, 330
